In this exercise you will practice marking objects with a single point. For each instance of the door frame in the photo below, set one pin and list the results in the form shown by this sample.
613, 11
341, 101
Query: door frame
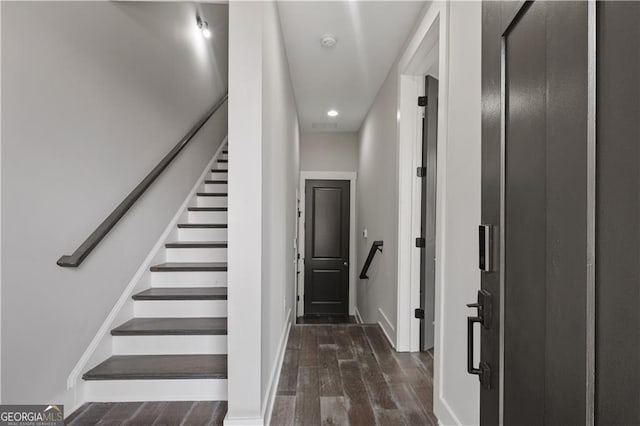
348, 176
428, 46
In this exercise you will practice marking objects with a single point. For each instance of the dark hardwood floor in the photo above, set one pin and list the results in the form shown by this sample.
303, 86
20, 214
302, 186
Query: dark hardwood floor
335, 374
149, 413
350, 375
327, 319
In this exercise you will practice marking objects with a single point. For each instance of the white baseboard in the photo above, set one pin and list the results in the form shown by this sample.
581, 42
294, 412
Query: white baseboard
356, 313
70, 399
275, 371
386, 325
100, 347
244, 421
444, 413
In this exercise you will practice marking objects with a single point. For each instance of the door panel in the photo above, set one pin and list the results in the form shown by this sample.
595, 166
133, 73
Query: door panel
617, 215
525, 218
327, 285
326, 241
543, 143
428, 213
326, 280
545, 215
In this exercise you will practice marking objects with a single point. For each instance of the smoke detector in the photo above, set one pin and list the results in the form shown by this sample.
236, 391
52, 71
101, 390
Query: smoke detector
328, 41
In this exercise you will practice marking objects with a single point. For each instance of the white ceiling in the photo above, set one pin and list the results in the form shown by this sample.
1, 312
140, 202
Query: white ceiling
348, 76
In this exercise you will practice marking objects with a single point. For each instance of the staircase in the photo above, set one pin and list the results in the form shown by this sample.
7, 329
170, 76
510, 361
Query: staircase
175, 346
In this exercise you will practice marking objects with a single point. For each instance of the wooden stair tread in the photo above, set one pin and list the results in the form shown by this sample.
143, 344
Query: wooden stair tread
179, 293
212, 194
197, 244
189, 267
223, 161
202, 225
160, 367
171, 326
219, 171
221, 182
207, 209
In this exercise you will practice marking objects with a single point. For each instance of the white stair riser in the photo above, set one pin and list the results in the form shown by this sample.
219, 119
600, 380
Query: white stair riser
189, 279
208, 217
211, 201
180, 308
222, 166
215, 187
224, 156
156, 390
202, 234
169, 345
196, 255
218, 176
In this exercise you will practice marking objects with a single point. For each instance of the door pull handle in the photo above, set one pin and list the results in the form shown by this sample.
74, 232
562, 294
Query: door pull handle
483, 317
470, 345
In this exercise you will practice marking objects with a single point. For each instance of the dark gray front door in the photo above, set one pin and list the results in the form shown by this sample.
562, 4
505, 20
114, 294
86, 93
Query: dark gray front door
618, 215
326, 262
534, 196
428, 212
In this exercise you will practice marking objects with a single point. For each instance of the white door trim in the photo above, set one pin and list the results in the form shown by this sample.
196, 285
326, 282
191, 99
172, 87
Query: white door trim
351, 177
428, 45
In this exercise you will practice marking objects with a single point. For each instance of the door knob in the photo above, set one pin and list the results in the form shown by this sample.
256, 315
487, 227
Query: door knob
346, 263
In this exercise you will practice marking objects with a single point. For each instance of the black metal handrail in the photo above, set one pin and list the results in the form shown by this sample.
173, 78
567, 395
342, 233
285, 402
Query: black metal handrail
377, 245
103, 229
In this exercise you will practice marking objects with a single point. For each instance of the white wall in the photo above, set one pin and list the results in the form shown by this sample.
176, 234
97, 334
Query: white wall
264, 140
460, 276
94, 95
376, 207
329, 151
244, 254
456, 393
280, 174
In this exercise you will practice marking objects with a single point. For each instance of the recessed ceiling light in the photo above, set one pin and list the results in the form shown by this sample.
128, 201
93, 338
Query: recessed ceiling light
328, 40
332, 113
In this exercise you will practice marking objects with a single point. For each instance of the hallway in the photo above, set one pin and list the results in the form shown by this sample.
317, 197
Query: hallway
349, 374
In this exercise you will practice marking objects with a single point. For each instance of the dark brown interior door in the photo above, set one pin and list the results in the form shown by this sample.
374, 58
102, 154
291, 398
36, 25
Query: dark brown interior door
326, 262
535, 87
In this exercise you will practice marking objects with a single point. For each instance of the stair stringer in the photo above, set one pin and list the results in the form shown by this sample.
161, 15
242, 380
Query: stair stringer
101, 346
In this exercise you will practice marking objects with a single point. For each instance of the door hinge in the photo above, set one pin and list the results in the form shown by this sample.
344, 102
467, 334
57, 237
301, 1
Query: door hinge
298, 256
419, 313
421, 171
298, 298
420, 242
422, 101
299, 213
